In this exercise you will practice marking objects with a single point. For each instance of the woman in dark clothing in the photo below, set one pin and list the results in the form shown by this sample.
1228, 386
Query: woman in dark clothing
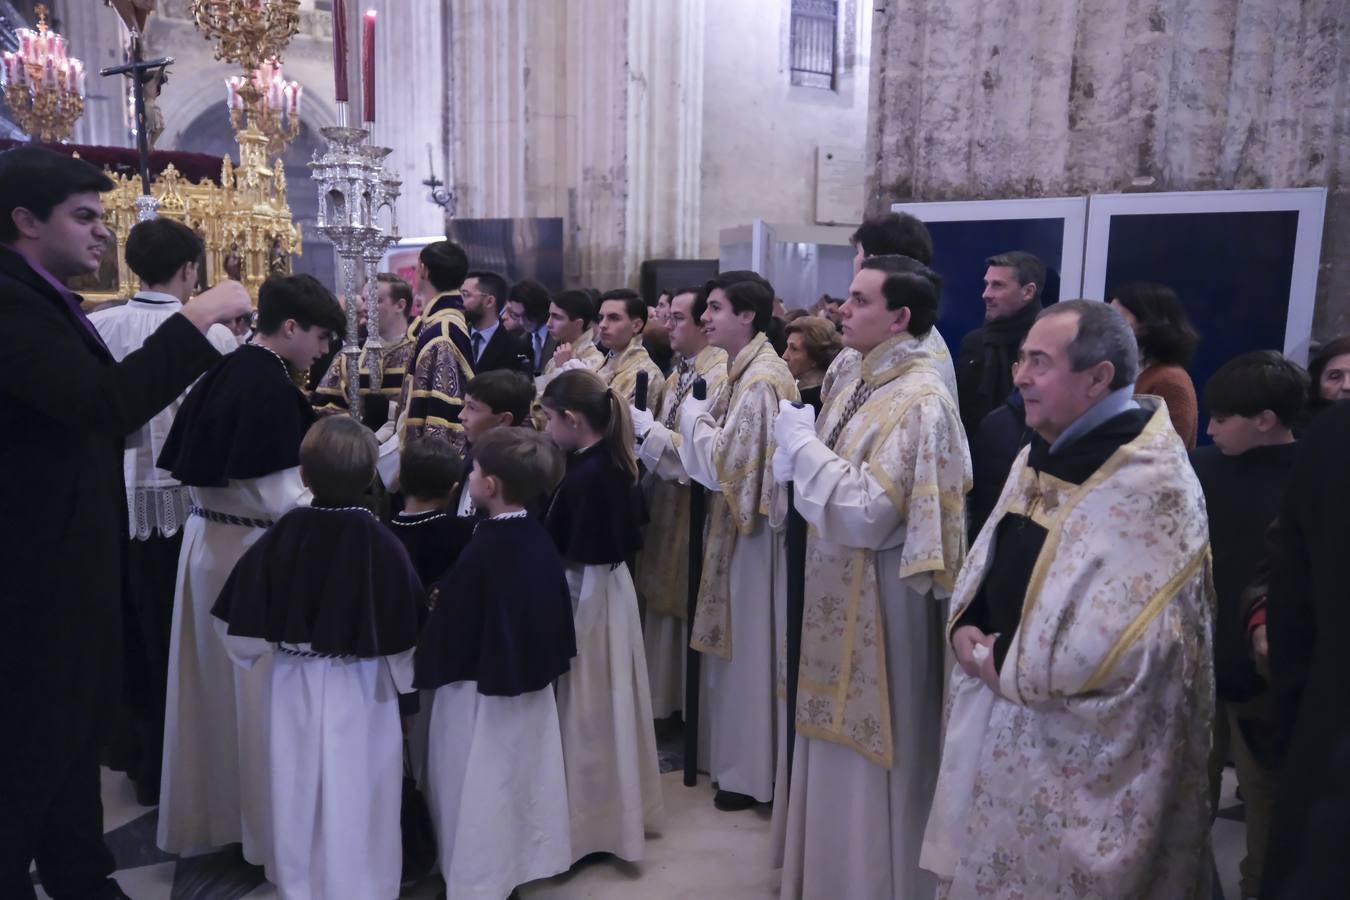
812, 344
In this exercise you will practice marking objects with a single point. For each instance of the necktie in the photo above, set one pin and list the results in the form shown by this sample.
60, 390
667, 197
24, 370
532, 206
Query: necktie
538, 350
477, 345
861, 391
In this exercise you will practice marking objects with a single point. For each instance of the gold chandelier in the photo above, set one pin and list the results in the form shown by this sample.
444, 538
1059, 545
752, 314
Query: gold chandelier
44, 86
247, 31
276, 111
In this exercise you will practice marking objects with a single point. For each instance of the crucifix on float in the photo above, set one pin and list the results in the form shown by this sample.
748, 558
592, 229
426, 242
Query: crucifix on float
138, 69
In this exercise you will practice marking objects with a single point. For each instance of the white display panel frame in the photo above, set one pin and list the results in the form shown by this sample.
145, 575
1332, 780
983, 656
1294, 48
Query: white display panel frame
1309, 203
1073, 210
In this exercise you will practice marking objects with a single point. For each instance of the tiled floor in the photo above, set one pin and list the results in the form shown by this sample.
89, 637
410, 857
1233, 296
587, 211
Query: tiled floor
701, 853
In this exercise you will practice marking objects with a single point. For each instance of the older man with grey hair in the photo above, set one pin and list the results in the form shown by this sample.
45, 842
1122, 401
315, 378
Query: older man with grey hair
1081, 705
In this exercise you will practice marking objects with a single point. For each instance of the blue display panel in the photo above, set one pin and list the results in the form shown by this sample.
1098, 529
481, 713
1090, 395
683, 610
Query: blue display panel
960, 249
1232, 271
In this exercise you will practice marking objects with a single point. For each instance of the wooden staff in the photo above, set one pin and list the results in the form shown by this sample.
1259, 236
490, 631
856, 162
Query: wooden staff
697, 513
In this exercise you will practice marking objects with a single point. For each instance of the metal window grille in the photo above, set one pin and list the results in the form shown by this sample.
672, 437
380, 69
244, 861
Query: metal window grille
814, 31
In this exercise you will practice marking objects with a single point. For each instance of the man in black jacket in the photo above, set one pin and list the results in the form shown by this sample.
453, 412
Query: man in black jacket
1012, 290
65, 407
494, 346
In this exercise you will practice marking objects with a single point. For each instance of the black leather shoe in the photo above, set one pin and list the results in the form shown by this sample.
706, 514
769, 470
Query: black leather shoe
730, 801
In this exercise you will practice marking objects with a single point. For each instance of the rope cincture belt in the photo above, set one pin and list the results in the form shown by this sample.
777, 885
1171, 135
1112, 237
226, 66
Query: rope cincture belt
228, 519
310, 654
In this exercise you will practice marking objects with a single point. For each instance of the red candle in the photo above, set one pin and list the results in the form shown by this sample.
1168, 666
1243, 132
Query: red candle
368, 65
340, 50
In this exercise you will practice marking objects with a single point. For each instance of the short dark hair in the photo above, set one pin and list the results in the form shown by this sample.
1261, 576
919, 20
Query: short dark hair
338, 457
398, 289
908, 285
725, 280
1028, 268
429, 468
525, 463
491, 284
504, 391
533, 296
1256, 381
447, 265
1165, 333
633, 305
302, 298
39, 181
577, 304
157, 248
1103, 336
895, 233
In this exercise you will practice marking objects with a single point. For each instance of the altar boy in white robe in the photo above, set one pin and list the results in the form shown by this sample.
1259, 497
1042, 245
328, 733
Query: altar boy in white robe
330, 597
880, 478
498, 637
1076, 754
236, 443
164, 254
726, 445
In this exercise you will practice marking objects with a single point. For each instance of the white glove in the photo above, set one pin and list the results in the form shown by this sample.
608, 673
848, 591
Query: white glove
691, 408
795, 426
642, 422
386, 431
782, 465
571, 364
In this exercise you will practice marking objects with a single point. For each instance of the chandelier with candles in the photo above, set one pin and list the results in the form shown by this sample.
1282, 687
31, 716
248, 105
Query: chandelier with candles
44, 85
277, 109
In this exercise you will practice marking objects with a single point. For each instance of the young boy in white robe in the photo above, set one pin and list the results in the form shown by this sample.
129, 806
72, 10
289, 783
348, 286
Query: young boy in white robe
604, 702
330, 597
499, 635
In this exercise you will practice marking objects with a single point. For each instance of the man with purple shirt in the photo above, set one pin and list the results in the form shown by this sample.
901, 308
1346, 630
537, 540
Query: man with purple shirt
65, 407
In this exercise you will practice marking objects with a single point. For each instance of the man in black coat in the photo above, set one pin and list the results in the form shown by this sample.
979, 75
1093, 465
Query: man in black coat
1307, 618
1012, 291
65, 407
494, 346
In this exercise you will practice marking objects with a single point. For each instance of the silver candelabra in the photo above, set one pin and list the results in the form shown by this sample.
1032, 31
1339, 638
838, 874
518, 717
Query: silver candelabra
354, 190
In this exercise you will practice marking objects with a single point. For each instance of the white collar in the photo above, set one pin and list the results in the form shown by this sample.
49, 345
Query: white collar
157, 298
518, 514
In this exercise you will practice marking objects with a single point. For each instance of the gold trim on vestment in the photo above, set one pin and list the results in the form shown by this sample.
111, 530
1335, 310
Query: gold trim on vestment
1136, 628
1041, 570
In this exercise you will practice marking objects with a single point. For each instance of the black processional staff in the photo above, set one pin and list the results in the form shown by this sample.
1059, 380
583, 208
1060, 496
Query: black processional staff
640, 390
697, 512
796, 610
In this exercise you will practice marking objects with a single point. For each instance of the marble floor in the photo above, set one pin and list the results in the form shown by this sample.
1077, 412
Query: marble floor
701, 853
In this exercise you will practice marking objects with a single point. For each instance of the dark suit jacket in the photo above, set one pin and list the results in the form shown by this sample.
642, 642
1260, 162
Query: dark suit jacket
65, 408
545, 352
505, 351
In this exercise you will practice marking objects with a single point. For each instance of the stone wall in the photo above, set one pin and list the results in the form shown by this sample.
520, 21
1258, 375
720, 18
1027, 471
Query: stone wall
1025, 99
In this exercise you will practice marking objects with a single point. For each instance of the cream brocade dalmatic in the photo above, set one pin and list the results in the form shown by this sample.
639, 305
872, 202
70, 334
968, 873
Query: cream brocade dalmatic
905, 440
1089, 779
758, 380
620, 370
663, 567
847, 362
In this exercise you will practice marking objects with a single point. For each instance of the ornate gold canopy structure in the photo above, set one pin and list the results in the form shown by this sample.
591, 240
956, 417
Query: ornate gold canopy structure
243, 221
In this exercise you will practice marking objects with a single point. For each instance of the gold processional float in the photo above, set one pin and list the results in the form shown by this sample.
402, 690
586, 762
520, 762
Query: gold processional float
243, 217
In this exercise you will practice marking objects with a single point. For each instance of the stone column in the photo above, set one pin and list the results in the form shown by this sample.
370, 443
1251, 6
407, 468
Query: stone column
410, 94
665, 130
97, 37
